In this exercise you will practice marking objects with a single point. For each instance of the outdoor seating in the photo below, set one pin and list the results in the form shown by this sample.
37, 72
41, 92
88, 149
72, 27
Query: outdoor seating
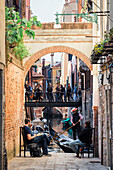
27, 147
87, 148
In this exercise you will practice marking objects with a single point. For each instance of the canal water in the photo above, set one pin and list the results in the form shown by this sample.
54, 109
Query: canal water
57, 125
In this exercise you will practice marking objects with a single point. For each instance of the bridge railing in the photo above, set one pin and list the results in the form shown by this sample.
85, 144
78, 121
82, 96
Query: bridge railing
51, 97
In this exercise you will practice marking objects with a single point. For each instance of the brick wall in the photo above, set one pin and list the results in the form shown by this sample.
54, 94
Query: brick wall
14, 106
104, 125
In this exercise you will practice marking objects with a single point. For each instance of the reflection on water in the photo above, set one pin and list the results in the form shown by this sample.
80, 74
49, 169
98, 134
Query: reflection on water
57, 126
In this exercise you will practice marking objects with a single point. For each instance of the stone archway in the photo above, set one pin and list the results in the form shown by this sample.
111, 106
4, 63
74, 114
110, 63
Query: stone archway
53, 49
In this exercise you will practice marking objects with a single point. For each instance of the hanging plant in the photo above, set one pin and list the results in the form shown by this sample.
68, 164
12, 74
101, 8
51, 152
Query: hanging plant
15, 30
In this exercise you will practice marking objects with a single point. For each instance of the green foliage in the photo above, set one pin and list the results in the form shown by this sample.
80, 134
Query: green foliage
15, 30
20, 51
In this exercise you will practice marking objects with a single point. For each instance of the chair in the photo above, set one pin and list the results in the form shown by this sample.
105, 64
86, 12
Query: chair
23, 144
88, 148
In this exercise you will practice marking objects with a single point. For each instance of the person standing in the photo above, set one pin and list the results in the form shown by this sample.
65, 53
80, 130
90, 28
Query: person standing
69, 92
76, 117
28, 91
58, 92
50, 93
66, 124
62, 92
65, 93
79, 94
75, 93
38, 93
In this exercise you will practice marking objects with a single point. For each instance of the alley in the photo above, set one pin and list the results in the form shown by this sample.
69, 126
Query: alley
56, 84
58, 161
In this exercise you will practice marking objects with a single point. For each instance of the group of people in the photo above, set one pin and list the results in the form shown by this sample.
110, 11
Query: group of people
83, 136
35, 93
62, 93
73, 121
80, 136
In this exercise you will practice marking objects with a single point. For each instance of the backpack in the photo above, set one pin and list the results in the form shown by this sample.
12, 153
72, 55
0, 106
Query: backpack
35, 150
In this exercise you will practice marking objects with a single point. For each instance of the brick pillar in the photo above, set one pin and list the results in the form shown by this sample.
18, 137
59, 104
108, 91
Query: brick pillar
95, 125
2, 84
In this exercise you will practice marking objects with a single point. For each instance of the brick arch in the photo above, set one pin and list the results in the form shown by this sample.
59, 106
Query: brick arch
54, 49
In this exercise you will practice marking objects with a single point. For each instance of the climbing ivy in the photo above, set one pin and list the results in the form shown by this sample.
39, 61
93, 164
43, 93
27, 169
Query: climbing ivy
15, 30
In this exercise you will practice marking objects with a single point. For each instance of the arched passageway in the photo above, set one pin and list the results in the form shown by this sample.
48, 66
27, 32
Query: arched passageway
54, 49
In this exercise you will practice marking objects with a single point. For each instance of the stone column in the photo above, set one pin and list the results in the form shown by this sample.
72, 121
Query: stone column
2, 84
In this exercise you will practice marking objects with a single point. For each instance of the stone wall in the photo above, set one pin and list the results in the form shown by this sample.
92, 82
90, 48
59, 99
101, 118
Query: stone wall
70, 25
104, 125
14, 114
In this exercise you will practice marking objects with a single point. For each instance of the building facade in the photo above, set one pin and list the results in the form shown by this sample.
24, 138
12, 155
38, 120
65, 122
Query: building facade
73, 70
21, 6
102, 75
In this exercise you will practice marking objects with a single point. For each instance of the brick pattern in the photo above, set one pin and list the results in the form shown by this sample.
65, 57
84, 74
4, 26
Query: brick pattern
104, 121
65, 26
53, 49
95, 125
14, 115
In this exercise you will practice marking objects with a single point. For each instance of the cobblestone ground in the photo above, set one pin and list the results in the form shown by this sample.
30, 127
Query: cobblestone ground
58, 161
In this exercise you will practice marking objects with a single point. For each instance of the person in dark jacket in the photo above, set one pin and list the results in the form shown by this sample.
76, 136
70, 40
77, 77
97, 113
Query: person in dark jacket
75, 117
61, 92
69, 92
84, 137
38, 93
58, 92
50, 93
28, 91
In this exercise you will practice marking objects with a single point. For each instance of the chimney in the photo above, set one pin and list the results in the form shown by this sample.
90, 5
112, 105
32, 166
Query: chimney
52, 55
43, 62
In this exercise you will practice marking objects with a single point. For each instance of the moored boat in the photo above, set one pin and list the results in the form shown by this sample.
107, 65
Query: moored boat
61, 140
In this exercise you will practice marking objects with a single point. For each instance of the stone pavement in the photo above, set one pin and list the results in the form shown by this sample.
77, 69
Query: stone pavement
58, 161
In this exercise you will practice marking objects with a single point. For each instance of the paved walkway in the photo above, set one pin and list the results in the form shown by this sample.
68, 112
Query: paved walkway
58, 161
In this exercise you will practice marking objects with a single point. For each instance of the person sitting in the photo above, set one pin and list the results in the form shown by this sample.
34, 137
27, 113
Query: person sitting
84, 137
39, 138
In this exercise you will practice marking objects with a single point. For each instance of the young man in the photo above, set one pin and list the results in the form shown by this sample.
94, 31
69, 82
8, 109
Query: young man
39, 138
84, 137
